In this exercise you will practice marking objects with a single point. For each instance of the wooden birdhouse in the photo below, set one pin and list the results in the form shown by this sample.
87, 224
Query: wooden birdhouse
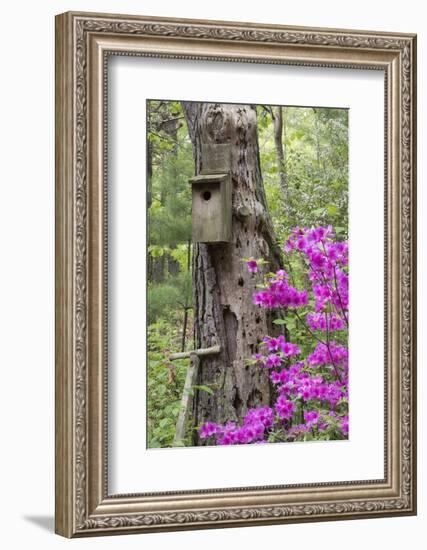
212, 196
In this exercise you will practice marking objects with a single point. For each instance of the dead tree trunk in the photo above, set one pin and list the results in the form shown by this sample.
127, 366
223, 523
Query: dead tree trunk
222, 287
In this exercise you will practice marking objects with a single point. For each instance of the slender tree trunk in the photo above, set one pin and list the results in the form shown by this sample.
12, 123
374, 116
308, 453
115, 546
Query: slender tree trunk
149, 173
173, 265
158, 269
278, 128
186, 304
222, 287
149, 153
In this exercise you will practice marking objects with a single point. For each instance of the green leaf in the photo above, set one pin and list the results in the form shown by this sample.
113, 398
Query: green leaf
291, 324
164, 422
279, 322
332, 209
318, 211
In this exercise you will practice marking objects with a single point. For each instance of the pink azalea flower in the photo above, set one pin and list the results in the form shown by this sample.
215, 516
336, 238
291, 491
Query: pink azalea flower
252, 266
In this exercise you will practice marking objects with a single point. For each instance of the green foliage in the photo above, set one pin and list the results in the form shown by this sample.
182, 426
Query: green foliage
170, 165
169, 211
169, 297
316, 168
165, 382
169, 216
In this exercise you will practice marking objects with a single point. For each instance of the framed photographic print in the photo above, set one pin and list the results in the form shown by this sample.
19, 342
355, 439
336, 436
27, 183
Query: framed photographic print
235, 274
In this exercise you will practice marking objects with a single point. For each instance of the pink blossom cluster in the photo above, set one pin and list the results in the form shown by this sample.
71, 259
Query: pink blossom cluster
297, 384
311, 418
329, 354
317, 394
322, 423
255, 424
279, 350
333, 292
285, 408
279, 293
324, 322
326, 261
252, 266
303, 238
311, 394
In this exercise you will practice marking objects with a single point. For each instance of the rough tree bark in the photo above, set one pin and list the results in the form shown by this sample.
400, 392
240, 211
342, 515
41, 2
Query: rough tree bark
222, 287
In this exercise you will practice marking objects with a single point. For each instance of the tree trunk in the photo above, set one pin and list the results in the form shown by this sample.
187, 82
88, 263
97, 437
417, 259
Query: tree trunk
222, 286
158, 269
186, 304
277, 113
173, 265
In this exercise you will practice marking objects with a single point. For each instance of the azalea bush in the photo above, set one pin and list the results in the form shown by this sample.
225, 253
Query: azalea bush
311, 389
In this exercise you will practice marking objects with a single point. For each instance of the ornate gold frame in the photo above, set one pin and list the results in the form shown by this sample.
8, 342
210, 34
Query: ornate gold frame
83, 42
